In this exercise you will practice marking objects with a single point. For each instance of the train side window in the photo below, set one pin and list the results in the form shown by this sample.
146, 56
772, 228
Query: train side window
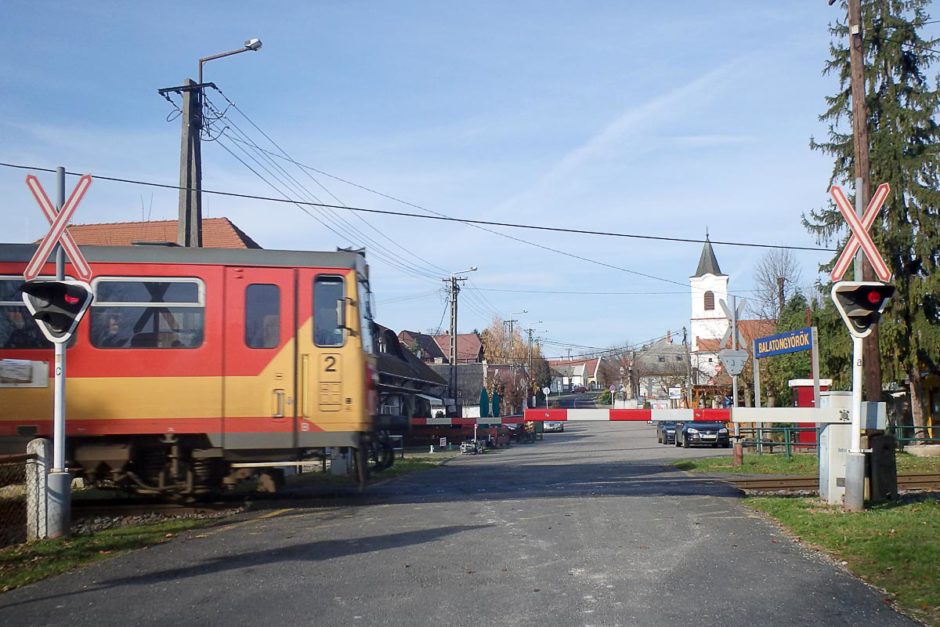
17, 327
262, 315
328, 296
157, 312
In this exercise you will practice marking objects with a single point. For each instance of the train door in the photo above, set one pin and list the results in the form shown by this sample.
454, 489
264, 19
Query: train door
329, 360
259, 361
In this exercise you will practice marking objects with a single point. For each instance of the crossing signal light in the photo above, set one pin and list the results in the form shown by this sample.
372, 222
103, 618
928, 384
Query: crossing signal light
57, 306
860, 303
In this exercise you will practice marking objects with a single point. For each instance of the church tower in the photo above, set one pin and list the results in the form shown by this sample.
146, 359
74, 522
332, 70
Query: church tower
709, 286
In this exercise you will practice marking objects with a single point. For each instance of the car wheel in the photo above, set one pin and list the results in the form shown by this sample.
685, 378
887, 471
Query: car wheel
685, 443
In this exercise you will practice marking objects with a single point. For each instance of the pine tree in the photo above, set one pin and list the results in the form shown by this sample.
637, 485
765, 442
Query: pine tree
904, 134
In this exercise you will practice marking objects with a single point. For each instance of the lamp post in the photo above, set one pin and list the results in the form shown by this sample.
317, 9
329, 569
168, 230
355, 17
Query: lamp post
454, 281
252, 45
189, 229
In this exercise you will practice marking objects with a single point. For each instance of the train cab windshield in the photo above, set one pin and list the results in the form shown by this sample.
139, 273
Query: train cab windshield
365, 316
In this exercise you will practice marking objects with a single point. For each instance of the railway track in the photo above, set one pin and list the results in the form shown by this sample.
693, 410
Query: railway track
87, 508
918, 481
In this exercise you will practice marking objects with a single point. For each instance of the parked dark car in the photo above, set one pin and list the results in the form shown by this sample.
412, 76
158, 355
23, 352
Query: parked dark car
702, 433
666, 432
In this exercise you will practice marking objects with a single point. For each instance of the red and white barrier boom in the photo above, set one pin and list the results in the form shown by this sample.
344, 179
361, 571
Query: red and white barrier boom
741, 414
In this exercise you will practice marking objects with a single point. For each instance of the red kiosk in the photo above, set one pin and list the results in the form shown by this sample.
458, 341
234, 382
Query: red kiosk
803, 397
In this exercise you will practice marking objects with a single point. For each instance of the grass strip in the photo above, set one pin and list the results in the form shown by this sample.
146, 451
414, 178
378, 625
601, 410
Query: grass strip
802, 464
27, 563
895, 546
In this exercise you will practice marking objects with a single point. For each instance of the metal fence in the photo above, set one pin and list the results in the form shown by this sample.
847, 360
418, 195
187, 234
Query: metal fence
13, 499
776, 439
907, 434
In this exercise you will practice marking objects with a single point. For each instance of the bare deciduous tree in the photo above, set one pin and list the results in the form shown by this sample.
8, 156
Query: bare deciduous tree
777, 275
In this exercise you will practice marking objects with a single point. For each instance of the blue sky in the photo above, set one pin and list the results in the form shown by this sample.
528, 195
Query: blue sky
645, 117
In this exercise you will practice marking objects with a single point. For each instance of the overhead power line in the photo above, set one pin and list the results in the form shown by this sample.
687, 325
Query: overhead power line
405, 214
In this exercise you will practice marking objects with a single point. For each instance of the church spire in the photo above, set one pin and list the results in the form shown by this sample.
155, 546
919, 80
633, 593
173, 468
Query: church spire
707, 263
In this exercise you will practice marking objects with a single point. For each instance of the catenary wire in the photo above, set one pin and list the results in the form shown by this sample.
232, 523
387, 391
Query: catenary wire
348, 230
128, 181
285, 155
446, 219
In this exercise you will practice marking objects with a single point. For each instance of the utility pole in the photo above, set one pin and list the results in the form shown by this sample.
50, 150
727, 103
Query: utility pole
189, 224
454, 281
454, 290
871, 357
189, 227
512, 361
632, 371
531, 386
530, 330
688, 367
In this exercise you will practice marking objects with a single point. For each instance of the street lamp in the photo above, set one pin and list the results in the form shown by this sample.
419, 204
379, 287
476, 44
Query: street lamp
189, 228
250, 44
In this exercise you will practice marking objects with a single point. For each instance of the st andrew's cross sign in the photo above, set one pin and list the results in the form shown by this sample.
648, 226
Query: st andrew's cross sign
860, 237
57, 232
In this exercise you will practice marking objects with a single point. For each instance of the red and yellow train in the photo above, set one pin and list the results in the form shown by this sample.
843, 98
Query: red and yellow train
193, 366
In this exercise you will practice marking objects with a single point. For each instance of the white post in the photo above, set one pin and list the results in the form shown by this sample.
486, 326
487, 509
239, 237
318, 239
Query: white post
856, 395
756, 366
58, 416
734, 379
814, 357
59, 485
855, 460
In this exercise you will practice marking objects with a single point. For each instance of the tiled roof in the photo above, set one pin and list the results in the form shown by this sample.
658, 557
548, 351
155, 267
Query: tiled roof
662, 357
396, 361
216, 233
750, 329
414, 341
468, 347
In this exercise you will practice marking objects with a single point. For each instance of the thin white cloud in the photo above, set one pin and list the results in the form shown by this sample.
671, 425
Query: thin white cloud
706, 141
660, 109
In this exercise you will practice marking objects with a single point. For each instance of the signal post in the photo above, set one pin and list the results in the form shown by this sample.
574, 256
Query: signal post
860, 303
57, 307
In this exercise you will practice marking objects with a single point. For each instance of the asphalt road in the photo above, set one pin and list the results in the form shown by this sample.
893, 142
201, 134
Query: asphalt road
587, 527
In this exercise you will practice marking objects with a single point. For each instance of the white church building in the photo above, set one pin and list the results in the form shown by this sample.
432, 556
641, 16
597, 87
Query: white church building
708, 323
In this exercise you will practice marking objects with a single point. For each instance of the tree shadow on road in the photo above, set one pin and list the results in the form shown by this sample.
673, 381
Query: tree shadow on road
305, 552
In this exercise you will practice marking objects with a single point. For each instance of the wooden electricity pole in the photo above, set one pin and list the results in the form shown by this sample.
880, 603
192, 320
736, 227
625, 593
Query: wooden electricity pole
871, 355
